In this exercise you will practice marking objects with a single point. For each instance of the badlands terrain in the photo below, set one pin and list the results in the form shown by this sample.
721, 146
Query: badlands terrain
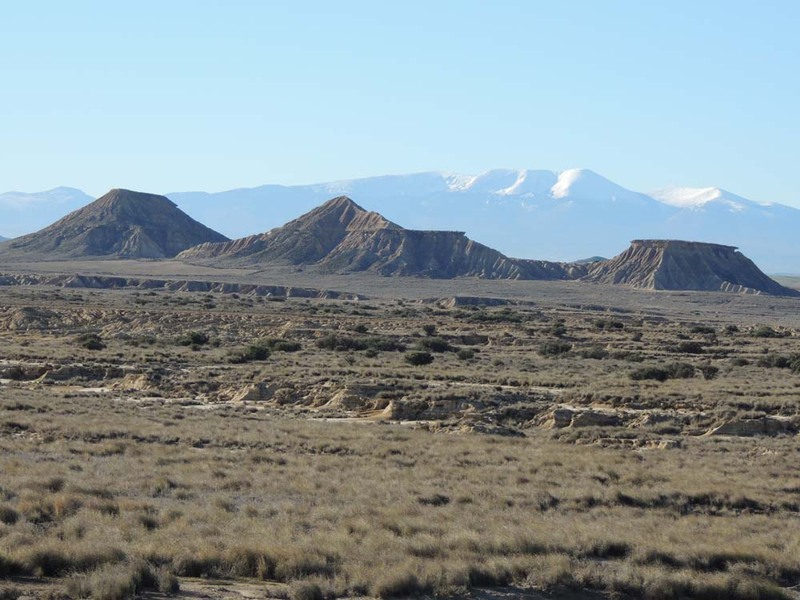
341, 407
357, 435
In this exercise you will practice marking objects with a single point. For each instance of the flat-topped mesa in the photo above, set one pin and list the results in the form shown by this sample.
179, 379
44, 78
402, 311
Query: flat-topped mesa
685, 265
681, 244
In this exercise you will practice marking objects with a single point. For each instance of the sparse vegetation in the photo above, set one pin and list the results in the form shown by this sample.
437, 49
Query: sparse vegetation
419, 358
134, 467
91, 341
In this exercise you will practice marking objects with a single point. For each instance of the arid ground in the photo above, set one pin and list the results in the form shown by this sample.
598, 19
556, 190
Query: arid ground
439, 438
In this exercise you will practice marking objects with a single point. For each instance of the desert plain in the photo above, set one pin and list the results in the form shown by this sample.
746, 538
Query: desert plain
364, 436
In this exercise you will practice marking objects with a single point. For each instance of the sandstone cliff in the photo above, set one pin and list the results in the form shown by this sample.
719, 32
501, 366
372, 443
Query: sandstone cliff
680, 265
342, 237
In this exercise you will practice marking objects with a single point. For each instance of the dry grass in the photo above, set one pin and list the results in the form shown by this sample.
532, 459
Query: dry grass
122, 488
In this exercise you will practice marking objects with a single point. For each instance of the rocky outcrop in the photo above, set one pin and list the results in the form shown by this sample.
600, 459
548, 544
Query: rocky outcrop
680, 265
342, 237
305, 240
40, 318
766, 426
121, 224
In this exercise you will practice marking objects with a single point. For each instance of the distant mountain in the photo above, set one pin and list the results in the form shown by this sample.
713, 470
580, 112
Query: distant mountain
342, 237
121, 224
22, 213
2, 239
531, 214
523, 213
590, 260
681, 265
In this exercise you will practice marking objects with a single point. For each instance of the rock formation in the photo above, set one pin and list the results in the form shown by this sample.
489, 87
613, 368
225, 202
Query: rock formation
121, 224
342, 237
680, 265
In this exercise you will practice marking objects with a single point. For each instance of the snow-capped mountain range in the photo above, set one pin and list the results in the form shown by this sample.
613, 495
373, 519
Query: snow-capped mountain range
538, 214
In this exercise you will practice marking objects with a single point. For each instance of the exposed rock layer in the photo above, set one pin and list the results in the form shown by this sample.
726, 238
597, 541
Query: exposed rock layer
175, 285
342, 237
680, 265
121, 224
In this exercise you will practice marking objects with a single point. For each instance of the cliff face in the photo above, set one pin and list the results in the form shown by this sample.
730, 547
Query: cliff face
680, 265
121, 224
342, 237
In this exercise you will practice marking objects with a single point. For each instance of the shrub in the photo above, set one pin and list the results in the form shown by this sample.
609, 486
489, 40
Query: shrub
254, 352
764, 331
554, 348
709, 371
774, 361
688, 348
465, 354
649, 373
419, 358
379, 344
193, 338
777, 361
340, 343
281, 345
8, 515
608, 324
703, 330
398, 585
121, 581
305, 590
596, 352
671, 371
435, 344
91, 341
429, 329
680, 371
434, 500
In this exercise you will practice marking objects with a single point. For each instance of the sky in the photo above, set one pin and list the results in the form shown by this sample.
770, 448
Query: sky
212, 95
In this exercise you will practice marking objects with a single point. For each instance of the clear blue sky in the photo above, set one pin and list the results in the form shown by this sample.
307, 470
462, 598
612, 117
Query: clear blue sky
185, 95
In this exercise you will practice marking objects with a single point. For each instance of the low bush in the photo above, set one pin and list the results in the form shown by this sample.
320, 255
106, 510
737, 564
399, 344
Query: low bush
435, 344
765, 331
466, 354
608, 324
281, 345
91, 341
254, 352
703, 330
554, 348
595, 352
193, 338
671, 371
341, 343
778, 361
8, 516
121, 581
688, 347
419, 358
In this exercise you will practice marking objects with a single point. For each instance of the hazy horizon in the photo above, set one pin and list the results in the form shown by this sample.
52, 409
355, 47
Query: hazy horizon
201, 96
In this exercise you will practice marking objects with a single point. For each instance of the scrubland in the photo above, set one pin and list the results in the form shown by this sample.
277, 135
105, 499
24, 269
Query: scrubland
151, 440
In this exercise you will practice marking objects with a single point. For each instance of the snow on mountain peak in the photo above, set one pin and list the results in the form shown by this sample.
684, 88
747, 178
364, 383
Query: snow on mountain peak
491, 181
687, 197
530, 182
586, 185
698, 198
